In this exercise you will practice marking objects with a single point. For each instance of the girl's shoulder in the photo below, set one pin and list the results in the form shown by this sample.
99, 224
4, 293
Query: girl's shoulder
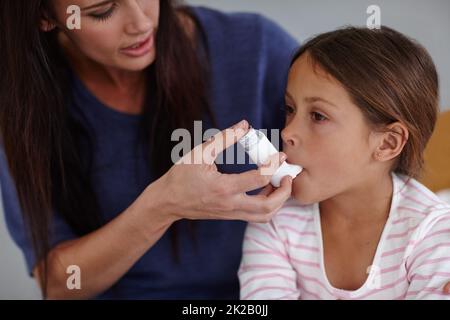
420, 208
415, 199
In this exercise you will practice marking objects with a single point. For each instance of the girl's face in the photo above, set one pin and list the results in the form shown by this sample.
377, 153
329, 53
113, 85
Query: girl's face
110, 28
326, 134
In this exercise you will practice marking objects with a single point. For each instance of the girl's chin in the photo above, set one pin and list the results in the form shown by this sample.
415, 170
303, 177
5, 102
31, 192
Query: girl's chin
299, 196
302, 201
301, 192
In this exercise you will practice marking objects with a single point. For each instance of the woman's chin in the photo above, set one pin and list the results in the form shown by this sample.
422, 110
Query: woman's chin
138, 64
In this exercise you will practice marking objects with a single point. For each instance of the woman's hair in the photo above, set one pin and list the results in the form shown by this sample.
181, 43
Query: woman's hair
42, 141
389, 77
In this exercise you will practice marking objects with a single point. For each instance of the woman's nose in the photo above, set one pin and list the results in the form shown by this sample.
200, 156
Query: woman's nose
139, 22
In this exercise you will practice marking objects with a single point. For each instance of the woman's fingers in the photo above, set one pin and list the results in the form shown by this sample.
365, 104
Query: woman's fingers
259, 208
207, 152
223, 140
224, 196
267, 190
447, 288
253, 179
265, 204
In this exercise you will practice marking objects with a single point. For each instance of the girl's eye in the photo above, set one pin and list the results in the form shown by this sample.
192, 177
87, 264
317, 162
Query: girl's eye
317, 117
288, 109
104, 15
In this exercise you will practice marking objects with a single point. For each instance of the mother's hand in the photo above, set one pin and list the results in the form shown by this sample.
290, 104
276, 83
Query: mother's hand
194, 189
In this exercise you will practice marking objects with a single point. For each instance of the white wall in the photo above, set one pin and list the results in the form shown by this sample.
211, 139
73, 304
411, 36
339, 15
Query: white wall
14, 280
427, 21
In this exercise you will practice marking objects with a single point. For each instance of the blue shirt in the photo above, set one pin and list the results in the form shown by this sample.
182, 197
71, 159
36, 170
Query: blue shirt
249, 60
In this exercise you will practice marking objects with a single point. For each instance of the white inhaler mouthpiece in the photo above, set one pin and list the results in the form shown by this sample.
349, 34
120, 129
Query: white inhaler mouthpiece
259, 149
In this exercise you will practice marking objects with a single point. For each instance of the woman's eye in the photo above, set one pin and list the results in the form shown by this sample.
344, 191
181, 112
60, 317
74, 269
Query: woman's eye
105, 14
317, 117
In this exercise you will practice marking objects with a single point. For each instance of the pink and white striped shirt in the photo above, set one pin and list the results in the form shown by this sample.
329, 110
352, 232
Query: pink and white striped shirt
283, 259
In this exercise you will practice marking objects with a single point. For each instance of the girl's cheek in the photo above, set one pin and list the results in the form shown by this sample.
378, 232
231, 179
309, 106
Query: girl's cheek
324, 128
319, 139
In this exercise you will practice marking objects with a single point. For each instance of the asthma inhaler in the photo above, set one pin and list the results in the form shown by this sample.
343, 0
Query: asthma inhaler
259, 149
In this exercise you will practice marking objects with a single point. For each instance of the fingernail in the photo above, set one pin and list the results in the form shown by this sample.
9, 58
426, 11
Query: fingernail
447, 289
242, 124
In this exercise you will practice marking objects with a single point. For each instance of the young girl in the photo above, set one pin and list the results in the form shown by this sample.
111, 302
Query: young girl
361, 105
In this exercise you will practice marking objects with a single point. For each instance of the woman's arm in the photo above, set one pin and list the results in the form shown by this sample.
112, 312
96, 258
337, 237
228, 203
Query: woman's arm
192, 189
106, 254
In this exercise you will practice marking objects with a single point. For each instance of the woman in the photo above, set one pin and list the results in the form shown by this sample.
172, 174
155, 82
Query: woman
86, 119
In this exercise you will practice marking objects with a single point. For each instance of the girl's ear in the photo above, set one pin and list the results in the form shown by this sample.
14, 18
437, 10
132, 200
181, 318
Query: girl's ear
392, 142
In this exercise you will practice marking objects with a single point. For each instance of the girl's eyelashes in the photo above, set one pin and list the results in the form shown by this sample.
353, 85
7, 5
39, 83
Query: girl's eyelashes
318, 117
288, 109
102, 16
315, 116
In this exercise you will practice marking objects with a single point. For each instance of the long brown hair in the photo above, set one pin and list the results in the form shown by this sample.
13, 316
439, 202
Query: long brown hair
389, 77
39, 136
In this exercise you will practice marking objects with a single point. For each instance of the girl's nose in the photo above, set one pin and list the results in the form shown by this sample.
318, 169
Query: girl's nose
289, 136
139, 22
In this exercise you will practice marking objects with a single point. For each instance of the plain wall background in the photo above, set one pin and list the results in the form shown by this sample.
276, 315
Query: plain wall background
426, 21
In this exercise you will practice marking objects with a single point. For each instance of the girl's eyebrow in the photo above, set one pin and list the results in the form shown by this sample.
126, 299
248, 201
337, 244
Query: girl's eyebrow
288, 95
311, 99
315, 99
99, 4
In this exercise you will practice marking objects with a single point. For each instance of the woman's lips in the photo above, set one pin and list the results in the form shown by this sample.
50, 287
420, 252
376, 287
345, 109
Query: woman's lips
140, 48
